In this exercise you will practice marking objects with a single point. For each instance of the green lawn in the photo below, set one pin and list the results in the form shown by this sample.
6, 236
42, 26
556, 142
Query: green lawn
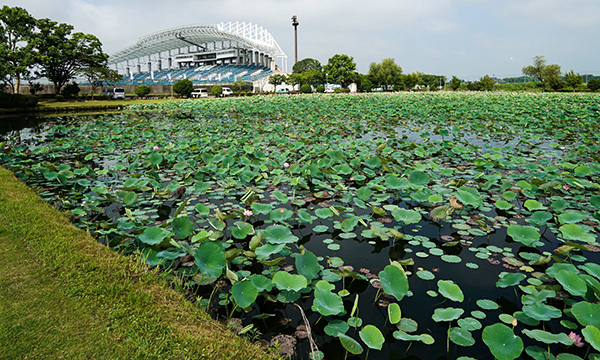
64, 296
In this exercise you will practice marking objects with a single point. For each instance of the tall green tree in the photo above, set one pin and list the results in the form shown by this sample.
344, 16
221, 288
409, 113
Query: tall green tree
487, 83
277, 79
385, 74
544, 73
573, 80
340, 69
62, 52
455, 83
307, 64
307, 71
410, 80
17, 27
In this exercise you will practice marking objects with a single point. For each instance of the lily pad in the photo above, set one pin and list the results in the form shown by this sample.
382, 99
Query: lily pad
502, 342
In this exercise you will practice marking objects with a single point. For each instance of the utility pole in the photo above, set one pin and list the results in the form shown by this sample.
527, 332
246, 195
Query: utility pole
295, 24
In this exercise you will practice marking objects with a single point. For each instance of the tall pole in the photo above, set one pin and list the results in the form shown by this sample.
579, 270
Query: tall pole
295, 24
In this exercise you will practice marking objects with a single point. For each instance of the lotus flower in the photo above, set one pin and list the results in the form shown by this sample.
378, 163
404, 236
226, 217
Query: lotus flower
566, 187
576, 339
155, 147
248, 212
286, 164
281, 210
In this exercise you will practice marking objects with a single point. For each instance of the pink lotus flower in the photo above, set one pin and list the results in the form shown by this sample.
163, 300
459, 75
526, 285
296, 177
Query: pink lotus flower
286, 164
576, 339
248, 212
566, 187
352, 178
155, 147
281, 210
6, 147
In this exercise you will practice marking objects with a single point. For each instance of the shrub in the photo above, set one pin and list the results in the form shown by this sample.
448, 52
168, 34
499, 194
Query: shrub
345, 91
216, 90
5, 100
183, 87
70, 90
306, 89
19, 101
59, 97
32, 100
593, 84
366, 85
142, 90
320, 89
337, 90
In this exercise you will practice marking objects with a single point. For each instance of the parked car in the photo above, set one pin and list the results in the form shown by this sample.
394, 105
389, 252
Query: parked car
114, 93
226, 92
283, 91
198, 93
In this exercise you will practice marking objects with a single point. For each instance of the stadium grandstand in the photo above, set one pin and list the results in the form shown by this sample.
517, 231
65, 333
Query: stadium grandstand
204, 53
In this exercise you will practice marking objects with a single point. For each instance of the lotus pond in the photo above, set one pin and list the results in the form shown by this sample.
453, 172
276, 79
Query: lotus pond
460, 226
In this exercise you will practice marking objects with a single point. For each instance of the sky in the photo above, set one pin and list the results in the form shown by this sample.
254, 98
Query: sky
466, 38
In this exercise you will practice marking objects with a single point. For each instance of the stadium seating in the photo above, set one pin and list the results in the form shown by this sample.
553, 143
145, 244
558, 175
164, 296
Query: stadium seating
206, 74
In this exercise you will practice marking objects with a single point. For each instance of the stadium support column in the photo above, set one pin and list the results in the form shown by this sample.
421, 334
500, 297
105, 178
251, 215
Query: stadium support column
149, 66
170, 62
261, 59
159, 64
139, 68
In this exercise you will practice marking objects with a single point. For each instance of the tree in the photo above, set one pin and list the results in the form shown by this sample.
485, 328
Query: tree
183, 87
474, 85
366, 85
455, 83
386, 74
62, 52
593, 84
305, 65
410, 80
305, 89
98, 76
573, 80
544, 73
142, 90
276, 80
487, 83
340, 69
17, 27
238, 84
216, 90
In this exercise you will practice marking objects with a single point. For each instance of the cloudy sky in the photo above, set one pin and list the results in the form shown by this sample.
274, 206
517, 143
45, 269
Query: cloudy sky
467, 38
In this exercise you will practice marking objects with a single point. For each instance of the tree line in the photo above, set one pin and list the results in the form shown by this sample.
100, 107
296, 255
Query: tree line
388, 76
32, 48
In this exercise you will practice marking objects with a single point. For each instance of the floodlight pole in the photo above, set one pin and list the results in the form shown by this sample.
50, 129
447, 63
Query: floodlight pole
295, 24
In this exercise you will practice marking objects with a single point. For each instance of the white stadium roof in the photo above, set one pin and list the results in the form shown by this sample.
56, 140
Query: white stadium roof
246, 35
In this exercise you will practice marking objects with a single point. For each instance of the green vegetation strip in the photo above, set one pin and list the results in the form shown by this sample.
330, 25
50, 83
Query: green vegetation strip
62, 295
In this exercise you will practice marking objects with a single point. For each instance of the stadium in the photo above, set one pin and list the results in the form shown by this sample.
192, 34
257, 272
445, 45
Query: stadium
207, 54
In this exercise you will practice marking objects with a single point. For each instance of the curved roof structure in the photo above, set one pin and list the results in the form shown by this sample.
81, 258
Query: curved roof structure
246, 35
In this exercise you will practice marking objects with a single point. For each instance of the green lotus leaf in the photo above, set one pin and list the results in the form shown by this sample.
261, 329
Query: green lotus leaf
307, 265
533, 205
279, 234
469, 196
417, 178
592, 269
461, 337
394, 281
469, 324
336, 328
450, 290
244, 293
548, 338
305, 217
502, 342
446, 314
202, 209
503, 205
259, 208
592, 336
263, 252
526, 235
351, 345
510, 279
130, 198
372, 337
587, 313
201, 186
154, 235
261, 282
571, 282
571, 216
283, 280
425, 275
595, 200
394, 313
183, 227
577, 233
364, 193
487, 304
406, 216
326, 302
541, 312
395, 183
540, 218
324, 213
210, 258
509, 195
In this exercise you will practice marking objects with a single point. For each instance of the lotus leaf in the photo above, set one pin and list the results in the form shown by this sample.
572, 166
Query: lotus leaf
526, 235
394, 313
541, 312
307, 265
548, 338
450, 290
446, 314
372, 337
587, 313
571, 282
279, 234
592, 336
326, 302
406, 216
336, 328
461, 337
210, 258
577, 233
154, 235
244, 293
394, 281
502, 342
351, 345
469, 196
510, 279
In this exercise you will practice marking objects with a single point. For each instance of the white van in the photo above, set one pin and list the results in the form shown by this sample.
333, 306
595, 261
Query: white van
114, 93
226, 92
198, 93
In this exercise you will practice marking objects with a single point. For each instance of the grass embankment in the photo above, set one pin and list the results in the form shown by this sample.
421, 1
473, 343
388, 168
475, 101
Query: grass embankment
53, 106
63, 295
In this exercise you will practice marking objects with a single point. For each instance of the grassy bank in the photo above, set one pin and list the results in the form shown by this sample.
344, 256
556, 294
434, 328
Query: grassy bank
53, 106
63, 295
